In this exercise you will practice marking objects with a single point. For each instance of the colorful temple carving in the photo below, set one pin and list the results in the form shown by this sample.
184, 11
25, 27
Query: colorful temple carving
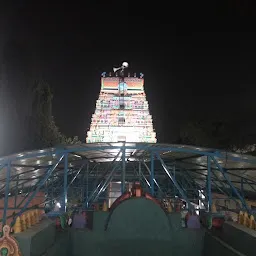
8, 245
122, 112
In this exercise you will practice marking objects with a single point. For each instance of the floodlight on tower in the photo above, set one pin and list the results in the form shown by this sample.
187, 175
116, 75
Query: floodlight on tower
123, 66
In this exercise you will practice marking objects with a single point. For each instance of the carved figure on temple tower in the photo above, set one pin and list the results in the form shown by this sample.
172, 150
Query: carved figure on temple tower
8, 245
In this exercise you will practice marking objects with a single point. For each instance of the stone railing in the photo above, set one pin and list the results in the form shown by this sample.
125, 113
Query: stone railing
246, 220
27, 219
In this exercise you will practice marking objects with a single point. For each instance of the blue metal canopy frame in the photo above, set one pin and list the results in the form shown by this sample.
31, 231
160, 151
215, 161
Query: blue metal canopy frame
164, 170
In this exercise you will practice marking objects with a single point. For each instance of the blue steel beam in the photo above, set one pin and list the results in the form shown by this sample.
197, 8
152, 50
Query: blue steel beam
177, 174
185, 184
2, 166
216, 179
227, 156
152, 173
155, 181
245, 179
140, 173
160, 148
78, 172
12, 178
110, 177
194, 186
227, 170
183, 195
145, 179
141, 147
250, 185
65, 191
100, 183
191, 180
105, 184
209, 183
139, 170
217, 186
174, 176
138, 147
26, 172
242, 187
4, 186
16, 192
231, 173
222, 182
147, 182
123, 171
41, 183
6, 195
221, 169
87, 185
24, 198
65, 185
100, 188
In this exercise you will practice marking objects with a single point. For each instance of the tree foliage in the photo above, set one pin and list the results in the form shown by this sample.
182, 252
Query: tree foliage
44, 129
26, 120
205, 133
214, 134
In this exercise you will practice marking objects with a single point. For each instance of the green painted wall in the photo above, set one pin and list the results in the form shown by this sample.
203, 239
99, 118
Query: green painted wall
138, 218
99, 244
43, 239
137, 226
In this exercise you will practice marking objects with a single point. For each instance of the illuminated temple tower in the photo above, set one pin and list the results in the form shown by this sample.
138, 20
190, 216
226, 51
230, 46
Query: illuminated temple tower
122, 112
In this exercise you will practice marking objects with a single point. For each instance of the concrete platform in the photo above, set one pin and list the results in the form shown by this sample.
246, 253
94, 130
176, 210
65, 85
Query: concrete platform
239, 237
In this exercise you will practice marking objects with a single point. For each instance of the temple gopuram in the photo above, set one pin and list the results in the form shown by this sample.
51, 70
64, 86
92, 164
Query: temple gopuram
122, 111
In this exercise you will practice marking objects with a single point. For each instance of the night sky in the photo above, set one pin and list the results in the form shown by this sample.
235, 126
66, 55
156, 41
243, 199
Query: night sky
199, 61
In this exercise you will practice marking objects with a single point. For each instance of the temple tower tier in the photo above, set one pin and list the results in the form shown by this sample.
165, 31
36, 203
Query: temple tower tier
122, 112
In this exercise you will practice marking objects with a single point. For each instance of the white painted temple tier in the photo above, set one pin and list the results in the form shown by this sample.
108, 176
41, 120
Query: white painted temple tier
122, 112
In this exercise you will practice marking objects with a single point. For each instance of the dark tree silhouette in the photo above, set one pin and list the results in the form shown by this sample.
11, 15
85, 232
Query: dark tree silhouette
26, 120
42, 124
216, 134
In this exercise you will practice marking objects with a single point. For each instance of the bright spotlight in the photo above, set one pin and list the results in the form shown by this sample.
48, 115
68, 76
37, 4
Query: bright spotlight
125, 64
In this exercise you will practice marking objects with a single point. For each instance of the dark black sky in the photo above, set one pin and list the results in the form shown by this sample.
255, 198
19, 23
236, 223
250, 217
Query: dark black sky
199, 60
